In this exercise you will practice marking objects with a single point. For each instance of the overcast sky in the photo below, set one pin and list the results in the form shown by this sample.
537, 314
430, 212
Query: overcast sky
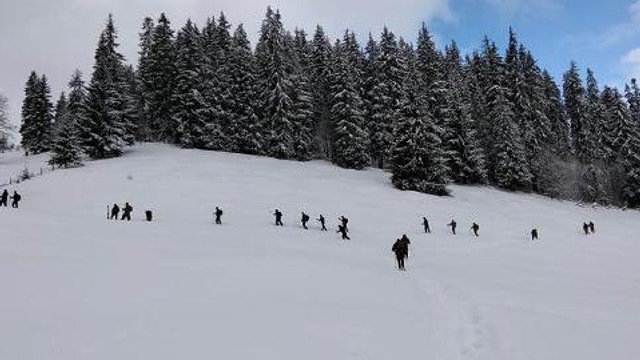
54, 37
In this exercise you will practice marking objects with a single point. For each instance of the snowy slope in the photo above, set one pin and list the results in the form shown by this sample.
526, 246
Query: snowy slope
76, 286
13, 163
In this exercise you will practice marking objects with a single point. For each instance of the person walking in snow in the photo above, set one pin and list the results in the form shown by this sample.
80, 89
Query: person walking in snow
115, 211
16, 199
343, 231
126, 212
400, 249
321, 219
475, 227
425, 223
592, 227
218, 214
405, 242
344, 222
453, 225
534, 234
304, 219
585, 228
4, 198
278, 216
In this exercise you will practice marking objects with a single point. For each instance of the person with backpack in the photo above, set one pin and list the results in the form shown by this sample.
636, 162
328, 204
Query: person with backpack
405, 242
304, 219
475, 227
343, 231
4, 198
453, 225
126, 212
425, 223
16, 199
344, 222
401, 249
115, 211
278, 216
321, 219
534, 234
592, 227
218, 214
585, 228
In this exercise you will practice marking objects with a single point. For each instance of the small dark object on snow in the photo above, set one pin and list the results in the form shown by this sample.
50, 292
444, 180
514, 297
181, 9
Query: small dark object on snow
278, 216
321, 219
592, 227
425, 223
401, 249
585, 228
4, 198
343, 231
115, 211
304, 219
16, 199
218, 214
534, 234
126, 212
475, 227
149, 215
453, 225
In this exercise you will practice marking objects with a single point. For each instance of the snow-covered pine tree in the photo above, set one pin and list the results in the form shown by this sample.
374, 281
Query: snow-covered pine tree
274, 69
416, 157
305, 142
244, 128
350, 140
465, 160
632, 94
102, 131
159, 80
61, 108
189, 109
554, 112
5, 126
320, 76
590, 145
37, 115
143, 79
65, 150
575, 104
385, 96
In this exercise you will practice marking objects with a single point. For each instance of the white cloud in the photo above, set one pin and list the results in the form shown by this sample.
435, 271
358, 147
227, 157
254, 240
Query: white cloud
623, 30
630, 63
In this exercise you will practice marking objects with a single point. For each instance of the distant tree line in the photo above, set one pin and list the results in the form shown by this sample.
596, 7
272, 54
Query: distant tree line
430, 117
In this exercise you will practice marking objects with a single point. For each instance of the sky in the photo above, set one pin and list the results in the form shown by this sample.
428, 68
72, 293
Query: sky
56, 37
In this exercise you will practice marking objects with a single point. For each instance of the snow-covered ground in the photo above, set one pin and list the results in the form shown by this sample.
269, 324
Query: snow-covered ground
13, 163
76, 286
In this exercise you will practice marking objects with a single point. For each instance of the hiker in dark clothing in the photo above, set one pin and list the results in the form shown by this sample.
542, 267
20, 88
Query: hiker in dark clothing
592, 227
278, 216
405, 243
425, 223
321, 219
4, 198
218, 214
585, 228
304, 220
344, 221
453, 225
126, 212
534, 234
475, 227
115, 211
343, 231
400, 249
16, 199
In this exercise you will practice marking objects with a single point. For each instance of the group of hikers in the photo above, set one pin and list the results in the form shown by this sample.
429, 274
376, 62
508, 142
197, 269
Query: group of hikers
15, 199
453, 224
304, 219
126, 212
588, 228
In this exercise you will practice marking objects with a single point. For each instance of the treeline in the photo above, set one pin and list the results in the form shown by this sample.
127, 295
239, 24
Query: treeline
431, 117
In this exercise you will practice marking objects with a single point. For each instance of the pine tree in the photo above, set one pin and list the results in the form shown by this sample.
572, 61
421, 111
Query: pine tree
385, 96
66, 150
554, 111
574, 101
465, 160
244, 128
276, 109
189, 107
632, 94
350, 140
320, 76
304, 140
416, 157
102, 131
144, 79
158, 81
37, 115
5, 126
